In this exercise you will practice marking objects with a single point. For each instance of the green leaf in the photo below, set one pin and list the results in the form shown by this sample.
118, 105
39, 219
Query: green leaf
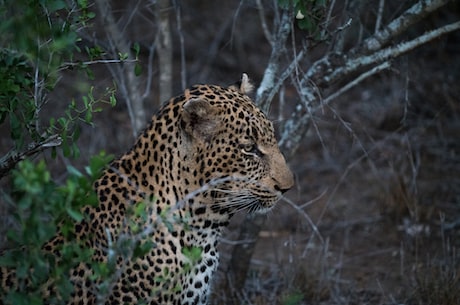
139, 209
85, 101
62, 122
65, 148
73, 171
142, 249
75, 215
75, 150
136, 48
137, 69
123, 56
193, 253
113, 100
89, 117
15, 124
76, 134
90, 15
294, 298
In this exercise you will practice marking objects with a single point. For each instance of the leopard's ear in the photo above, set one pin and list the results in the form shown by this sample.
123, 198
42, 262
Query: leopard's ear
199, 119
244, 85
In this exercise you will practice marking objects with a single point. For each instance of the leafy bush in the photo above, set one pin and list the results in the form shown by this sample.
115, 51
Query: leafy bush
38, 41
41, 207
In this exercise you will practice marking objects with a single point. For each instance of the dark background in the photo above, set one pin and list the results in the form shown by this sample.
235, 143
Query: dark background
377, 173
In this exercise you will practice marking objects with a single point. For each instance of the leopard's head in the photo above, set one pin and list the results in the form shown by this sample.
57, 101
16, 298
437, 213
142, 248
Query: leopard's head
232, 142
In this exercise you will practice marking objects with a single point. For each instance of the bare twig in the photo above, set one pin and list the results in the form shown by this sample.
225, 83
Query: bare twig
149, 72
411, 16
359, 62
287, 72
383, 66
38, 89
263, 21
378, 21
307, 218
66, 65
327, 20
9, 161
335, 67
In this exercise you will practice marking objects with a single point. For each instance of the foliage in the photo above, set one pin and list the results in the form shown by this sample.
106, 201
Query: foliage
38, 40
293, 298
15, 98
193, 254
310, 14
67, 126
41, 207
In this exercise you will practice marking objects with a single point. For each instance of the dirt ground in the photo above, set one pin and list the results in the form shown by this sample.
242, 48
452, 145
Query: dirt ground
374, 217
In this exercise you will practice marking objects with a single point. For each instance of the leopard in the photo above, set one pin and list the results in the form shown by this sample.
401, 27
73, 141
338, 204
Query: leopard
205, 155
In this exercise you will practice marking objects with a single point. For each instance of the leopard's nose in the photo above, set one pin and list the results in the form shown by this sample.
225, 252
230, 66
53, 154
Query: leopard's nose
282, 189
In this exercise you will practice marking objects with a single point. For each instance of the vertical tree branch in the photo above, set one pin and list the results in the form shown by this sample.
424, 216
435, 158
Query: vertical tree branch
124, 74
164, 47
273, 66
263, 22
378, 21
242, 253
183, 68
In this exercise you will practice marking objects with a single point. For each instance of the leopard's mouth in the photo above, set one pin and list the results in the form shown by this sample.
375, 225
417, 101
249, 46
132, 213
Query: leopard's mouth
250, 202
265, 203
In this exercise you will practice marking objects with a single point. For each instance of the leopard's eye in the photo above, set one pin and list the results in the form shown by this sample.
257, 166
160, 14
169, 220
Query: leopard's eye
251, 149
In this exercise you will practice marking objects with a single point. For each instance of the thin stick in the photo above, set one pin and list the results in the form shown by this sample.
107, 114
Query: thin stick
378, 22
263, 22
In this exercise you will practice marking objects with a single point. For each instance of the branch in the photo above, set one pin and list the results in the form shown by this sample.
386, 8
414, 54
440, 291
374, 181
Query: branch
383, 66
273, 66
149, 72
287, 72
164, 48
66, 65
263, 21
183, 68
9, 161
126, 79
411, 16
335, 67
355, 64
378, 22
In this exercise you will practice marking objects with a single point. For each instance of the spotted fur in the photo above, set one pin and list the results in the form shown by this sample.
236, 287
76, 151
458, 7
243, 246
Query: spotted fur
205, 155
